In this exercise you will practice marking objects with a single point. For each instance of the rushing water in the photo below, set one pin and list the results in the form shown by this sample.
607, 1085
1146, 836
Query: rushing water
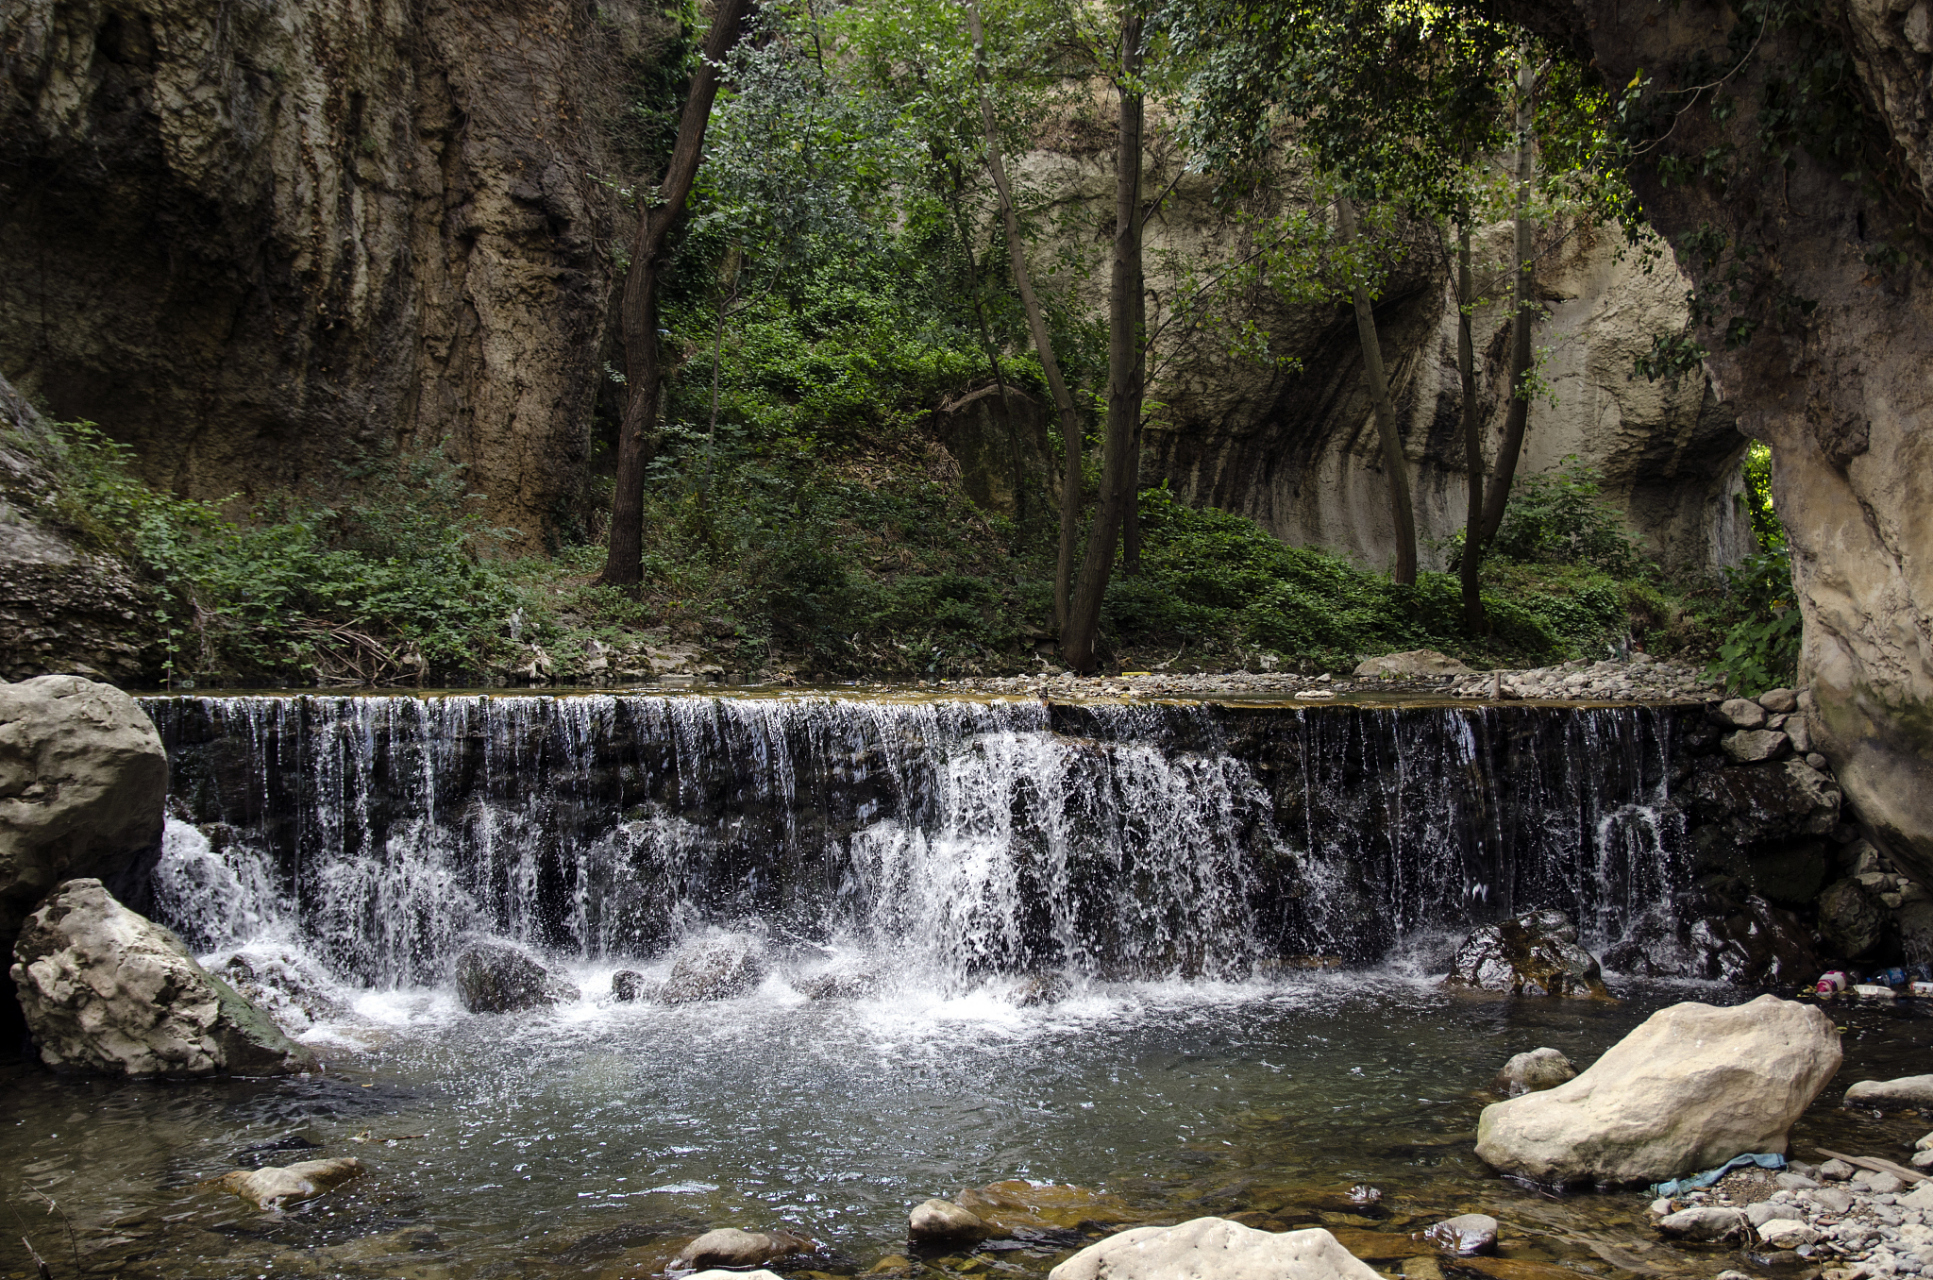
1173, 865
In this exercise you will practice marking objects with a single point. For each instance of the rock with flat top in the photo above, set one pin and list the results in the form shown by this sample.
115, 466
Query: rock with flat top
943, 1220
277, 1186
1214, 1249
1707, 1222
1415, 662
1533, 1071
107, 990
1741, 713
1892, 1095
1779, 701
1787, 1233
1748, 746
1690, 1088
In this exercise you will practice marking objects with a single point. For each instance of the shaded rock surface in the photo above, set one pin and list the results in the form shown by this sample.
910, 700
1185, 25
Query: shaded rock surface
1720, 930
1690, 1088
106, 990
715, 968
1534, 954
1016, 1205
501, 977
1707, 1223
1214, 1249
1532, 1071
82, 781
1892, 1095
1415, 662
276, 1186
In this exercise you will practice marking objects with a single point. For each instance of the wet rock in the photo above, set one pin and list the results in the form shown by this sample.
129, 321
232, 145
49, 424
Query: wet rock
628, 985
1530, 1072
82, 780
837, 983
938, 1220
285, 984
1465, 1235
715, 968
1415, 662
1787, 1233
1016, 1205
1749, 746
720, 1273
501, 977
1852, 921
1914, 919
277, 1186
1751, 807
1741, 713
107, 990
1706, 1222
1892, 1095
730, 1247
1041, 989
1535, 954
1690, 1088
1214, 1249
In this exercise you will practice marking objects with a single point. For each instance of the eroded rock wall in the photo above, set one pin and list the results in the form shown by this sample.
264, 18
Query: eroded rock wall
1295, 446
257, 240
1839, 390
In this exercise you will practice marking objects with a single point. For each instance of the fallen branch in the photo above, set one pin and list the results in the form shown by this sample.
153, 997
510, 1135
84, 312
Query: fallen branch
1877, 1165
46, 1273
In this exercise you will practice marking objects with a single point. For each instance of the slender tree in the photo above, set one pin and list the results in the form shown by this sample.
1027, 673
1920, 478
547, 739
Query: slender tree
1070, 419
1471, 560
1126, 356
1402, 516
1517, 415
638, 311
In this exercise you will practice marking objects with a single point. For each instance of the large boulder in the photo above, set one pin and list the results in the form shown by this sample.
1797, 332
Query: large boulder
715, 968
1905, 1093
107, 990
1853, 923
1214, 1249
1718, 930
82, 782
1692, 1087
1535, 954
501, 977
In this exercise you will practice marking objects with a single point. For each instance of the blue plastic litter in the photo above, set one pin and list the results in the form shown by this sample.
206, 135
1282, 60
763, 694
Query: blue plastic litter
1764, 1160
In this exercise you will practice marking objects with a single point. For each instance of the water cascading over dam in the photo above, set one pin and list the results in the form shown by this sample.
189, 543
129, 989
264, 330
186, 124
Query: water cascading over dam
948, 841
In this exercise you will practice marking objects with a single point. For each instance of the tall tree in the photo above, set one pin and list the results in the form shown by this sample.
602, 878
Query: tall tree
1402, 516
1070, 418
1468, 564
1126, 354
1517, 415
638, 311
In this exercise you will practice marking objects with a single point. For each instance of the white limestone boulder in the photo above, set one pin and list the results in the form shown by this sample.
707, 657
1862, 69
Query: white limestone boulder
1214, 1249
107, 990
1690, 1088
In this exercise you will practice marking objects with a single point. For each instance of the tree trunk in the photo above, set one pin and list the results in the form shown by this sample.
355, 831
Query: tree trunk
638, 313
1401, 516
1517, 416
1126, 363
1466, 367
1070, 418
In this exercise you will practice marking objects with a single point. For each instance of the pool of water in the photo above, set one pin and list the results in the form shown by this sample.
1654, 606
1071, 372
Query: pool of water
591, 1140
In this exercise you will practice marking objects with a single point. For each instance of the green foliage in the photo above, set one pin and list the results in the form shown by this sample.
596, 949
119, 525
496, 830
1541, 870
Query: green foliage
1562, 517
1759, 647
387, 584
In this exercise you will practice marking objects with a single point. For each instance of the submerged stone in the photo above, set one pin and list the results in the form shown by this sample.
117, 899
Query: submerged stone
276, 1186
716, 968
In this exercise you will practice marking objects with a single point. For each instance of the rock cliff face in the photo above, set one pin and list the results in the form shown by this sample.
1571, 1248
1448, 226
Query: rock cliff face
1296, 449
256, 240
1839, 388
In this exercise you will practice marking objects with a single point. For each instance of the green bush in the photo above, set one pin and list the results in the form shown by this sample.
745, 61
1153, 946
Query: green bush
1759, 646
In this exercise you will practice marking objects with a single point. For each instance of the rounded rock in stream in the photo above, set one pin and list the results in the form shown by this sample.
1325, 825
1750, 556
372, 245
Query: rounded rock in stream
1214, 1249
1465, 1235
1535, 954
276, 1186
716, 968
1690, 1088
942, 1220
500, 977
730, 1247
1530, 1072
106, 989
629, 986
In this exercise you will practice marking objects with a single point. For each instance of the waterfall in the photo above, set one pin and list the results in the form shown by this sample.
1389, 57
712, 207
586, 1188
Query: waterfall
946, 839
